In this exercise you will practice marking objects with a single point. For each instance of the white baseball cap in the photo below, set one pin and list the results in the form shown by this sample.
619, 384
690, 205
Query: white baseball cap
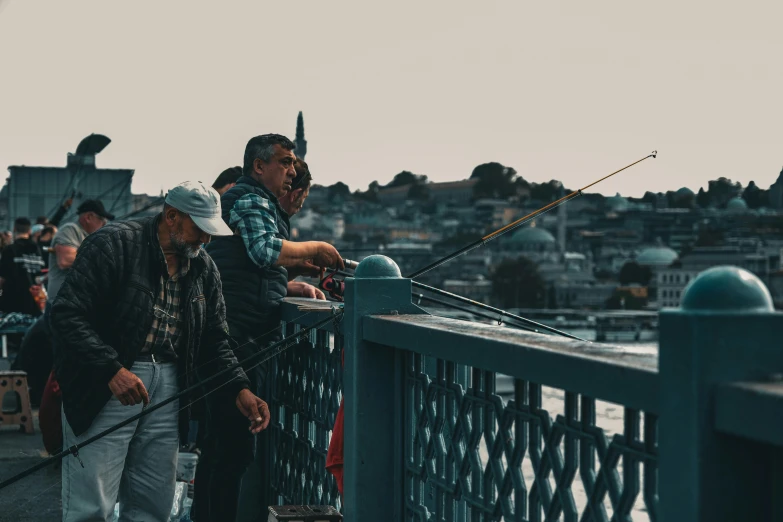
202, 204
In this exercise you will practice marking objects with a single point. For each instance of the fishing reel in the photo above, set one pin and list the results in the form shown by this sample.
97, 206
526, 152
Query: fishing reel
336, 287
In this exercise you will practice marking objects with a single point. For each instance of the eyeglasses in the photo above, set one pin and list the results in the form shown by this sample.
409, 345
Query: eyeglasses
161, 314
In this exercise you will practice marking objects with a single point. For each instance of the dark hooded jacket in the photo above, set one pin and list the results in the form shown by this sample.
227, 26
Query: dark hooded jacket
104, 310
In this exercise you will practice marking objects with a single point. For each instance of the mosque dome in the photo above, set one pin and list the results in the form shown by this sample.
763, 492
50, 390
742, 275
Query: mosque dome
659, 255
617, 203
685, 191
736, 206
532, 236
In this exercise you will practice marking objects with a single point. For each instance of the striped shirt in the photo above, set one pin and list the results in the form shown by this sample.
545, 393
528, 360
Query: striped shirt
256, 218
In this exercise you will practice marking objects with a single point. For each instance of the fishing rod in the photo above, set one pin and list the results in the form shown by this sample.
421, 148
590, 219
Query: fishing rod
336, 289
440, 302
521, 221
497, 311
268, 353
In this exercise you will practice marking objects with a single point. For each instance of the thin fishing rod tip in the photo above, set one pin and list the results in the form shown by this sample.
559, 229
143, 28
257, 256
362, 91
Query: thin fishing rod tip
654, 154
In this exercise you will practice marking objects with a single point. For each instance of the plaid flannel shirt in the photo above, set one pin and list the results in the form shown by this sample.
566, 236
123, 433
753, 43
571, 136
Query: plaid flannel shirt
164, 333
256, 218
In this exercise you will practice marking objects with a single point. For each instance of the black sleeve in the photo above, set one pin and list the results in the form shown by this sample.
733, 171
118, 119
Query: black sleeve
86, 289
216, 354
7, 263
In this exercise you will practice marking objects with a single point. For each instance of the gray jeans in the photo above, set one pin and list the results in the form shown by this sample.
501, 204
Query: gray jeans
136, 464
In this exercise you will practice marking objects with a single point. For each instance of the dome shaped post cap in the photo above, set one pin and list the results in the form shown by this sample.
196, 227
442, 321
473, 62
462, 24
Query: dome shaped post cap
727, 289
377, 266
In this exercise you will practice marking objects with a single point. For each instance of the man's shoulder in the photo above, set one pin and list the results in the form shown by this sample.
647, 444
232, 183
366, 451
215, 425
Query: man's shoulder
128, 225
210, 272
254, 202
120, 233
69, 229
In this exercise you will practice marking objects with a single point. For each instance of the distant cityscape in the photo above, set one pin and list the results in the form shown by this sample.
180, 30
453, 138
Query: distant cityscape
592, 253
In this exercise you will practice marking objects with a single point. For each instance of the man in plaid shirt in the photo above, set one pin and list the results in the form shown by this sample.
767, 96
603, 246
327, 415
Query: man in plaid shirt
255, 264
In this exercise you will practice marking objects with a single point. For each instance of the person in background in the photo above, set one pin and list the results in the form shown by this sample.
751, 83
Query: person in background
6, 238
92, 216
35, 352
35, 232
45, 241
20, 264
227, 179
139, 317
292, 203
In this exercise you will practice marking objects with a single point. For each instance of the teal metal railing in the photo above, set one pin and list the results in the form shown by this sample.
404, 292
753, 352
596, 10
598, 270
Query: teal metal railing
448, 420
303, 390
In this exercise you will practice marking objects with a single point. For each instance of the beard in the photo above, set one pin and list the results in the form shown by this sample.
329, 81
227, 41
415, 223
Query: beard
182, 248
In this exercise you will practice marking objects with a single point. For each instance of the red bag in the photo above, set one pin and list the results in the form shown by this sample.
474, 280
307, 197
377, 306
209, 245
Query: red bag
49, 416
334, 457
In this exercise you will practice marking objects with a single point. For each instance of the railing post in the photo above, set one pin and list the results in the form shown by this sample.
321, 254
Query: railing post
373, 395
725, 331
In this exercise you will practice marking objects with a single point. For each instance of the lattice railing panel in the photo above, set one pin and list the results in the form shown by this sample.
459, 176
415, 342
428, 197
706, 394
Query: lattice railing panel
535, 455
305, 389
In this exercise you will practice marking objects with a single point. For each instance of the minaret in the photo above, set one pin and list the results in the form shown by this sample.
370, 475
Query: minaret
561, 222
300, 142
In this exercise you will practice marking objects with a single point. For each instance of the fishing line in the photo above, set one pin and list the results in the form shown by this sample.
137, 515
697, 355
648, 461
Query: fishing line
496, 310
519, 222
422, 297
535, 325
239, 346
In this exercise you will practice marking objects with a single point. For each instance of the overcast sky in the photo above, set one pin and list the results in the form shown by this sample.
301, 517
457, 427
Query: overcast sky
565, 90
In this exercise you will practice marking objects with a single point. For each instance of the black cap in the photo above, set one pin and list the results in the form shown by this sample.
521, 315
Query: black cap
94, 205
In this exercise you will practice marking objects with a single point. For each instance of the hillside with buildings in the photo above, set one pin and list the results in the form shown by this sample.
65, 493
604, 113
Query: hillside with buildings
593, 252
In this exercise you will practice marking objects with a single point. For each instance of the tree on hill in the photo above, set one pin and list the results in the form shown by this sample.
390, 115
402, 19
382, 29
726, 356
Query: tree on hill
546, 192
419, 191
406, 178
721, 190
703, 198
496, 181
755, 197
633, 272
517, 283
650, 197
371, 194
338, 191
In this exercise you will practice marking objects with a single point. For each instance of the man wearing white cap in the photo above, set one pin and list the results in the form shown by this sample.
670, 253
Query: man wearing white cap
139, 317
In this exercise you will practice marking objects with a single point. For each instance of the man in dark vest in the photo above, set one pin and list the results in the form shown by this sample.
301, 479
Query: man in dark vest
255, 266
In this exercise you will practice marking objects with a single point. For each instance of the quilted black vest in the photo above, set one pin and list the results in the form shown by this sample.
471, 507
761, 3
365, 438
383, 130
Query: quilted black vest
252, 294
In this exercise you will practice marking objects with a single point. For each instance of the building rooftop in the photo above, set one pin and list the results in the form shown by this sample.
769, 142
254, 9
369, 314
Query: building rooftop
657, 256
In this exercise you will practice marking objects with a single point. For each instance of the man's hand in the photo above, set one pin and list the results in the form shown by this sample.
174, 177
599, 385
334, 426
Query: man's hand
254, 409
128, 388
304, 268
328, 256
300, 289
